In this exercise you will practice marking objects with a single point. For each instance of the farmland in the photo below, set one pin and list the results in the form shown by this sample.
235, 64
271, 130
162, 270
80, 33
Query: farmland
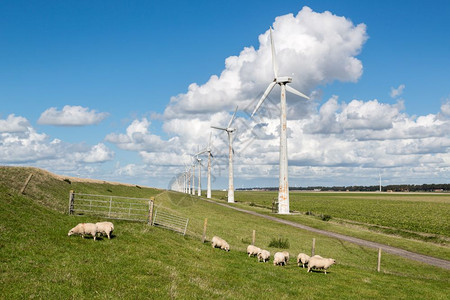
427, 215
39, 260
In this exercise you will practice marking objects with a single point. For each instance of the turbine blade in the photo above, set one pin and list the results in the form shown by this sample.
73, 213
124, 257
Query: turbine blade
264, 96
294, 91
220, 128
232, 118
274, 56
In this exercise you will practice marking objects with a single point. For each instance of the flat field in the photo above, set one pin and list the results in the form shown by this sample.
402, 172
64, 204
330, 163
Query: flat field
421, 213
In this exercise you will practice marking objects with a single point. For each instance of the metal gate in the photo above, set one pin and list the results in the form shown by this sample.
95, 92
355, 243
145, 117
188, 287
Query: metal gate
111, 207
170, 221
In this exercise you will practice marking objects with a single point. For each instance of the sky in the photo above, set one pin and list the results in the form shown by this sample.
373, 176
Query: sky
126, 91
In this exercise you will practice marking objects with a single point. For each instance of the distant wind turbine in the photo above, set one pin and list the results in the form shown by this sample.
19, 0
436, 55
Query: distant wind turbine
208, 150
283, 193
230, 131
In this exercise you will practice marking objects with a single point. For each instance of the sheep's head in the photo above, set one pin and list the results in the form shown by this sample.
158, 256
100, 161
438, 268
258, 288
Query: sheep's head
70, 232
227, 247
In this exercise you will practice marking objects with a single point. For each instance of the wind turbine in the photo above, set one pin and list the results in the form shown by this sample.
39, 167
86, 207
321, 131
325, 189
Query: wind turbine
283, 192
208, 150
230, 131
199, 161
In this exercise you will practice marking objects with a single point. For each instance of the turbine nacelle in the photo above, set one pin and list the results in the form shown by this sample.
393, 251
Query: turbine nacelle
283, 80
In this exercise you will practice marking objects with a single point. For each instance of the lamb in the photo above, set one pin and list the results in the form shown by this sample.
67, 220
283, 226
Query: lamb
303, 259
217, 242
83, 229
105, 228
253, 250
320, 263
280, 259
263, 255
286, 256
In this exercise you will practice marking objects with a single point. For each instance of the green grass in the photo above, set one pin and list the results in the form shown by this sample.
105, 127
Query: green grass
39, 260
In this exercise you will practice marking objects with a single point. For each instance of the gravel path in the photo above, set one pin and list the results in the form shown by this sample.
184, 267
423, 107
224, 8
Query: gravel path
442, 263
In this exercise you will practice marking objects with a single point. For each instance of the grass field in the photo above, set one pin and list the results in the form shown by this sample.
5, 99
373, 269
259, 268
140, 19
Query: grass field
39, 260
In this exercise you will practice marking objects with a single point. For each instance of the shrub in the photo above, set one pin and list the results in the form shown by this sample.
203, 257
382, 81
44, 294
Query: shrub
279, 243
325, 217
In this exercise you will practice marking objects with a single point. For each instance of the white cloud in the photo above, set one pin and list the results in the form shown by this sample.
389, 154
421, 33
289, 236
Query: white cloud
445, 108
301, 42
71, 116
14, 124
395, 92
31, 147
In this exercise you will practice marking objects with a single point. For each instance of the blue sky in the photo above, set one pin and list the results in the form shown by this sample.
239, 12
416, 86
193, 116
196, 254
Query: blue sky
112, 63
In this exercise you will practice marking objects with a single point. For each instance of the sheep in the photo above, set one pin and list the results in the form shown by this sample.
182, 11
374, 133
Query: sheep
286, 256
105, 228
83, 229
303, 259
320, 263
220, 243
253, 250
263, 255
279, 259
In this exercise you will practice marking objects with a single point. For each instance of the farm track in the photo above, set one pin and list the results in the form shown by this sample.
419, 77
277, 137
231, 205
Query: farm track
442, 263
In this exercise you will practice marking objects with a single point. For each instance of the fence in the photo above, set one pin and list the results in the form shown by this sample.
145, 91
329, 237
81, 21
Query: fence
111, 207
169, 221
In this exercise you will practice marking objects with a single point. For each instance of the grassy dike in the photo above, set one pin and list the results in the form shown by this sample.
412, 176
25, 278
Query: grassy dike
39, 260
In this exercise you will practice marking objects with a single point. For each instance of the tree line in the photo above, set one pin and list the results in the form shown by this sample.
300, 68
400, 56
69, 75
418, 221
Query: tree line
444, 187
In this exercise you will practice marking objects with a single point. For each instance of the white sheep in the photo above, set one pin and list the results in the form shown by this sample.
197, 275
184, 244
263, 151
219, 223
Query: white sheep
320, 263
220, 243
105, 228
253, 250
263, 255
286, 256
83, 229
279, 259
303, 259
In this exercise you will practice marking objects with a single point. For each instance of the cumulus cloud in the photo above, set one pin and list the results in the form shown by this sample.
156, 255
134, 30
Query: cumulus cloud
395, 92
28, 146
139, 138
302, 42
14, 124
71, 116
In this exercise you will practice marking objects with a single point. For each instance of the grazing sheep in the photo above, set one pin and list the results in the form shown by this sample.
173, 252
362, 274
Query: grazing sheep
253, 250
303, 259
320, 263
83, 229
105, 228
286, 256
263, 255
279, 259
217, 242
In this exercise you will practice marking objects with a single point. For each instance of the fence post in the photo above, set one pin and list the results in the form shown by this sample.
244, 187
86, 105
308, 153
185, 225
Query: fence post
150, 211
204, 230
313, 250
26, 183
379, 260
71, 198
253, 237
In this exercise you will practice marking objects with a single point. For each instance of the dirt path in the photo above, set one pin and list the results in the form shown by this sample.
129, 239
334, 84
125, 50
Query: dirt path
442, 263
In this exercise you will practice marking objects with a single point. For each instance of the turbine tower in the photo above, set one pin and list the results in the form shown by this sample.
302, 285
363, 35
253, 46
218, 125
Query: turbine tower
208, 150
199, 161
230, 131
283, 192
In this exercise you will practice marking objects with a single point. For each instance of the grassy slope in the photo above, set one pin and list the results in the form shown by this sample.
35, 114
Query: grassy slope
38, 259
